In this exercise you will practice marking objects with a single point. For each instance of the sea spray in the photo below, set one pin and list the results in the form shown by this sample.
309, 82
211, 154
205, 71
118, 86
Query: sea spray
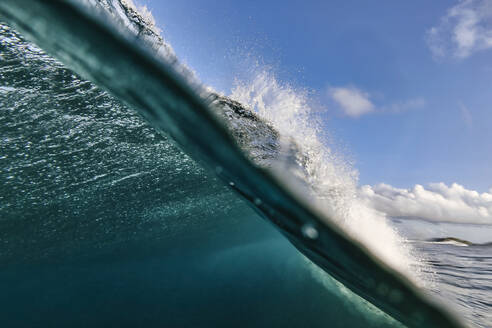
331, 181
327, 179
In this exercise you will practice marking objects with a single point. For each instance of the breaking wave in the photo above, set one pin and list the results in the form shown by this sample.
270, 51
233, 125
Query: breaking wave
330, 182
83, 171
286, 138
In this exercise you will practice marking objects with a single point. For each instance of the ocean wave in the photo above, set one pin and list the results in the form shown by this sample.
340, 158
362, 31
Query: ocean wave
308, 192
272, 123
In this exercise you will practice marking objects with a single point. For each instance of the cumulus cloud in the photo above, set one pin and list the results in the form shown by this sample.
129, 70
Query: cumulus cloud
355, 102
465, 29
352, 101
436, 202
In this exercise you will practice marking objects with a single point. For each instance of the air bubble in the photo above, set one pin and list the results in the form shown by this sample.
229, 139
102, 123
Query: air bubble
309, 231
232, 184
257, 201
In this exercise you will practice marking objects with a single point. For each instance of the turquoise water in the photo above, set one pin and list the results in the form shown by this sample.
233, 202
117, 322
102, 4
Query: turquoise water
106, 221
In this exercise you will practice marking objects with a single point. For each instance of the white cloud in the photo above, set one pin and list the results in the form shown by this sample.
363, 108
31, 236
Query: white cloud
465, 29
437, 202
355, 102
352, 101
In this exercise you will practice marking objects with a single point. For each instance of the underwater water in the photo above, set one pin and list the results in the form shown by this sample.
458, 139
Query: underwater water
107, 223
144, 199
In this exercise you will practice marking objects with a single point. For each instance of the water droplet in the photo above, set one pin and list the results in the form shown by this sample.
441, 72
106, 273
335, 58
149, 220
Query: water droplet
257, 201
309, 231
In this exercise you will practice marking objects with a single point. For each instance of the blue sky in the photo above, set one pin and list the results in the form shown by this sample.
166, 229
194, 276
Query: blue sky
405, 86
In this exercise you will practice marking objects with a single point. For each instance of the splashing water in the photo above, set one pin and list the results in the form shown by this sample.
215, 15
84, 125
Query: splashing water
284, 137
331, 181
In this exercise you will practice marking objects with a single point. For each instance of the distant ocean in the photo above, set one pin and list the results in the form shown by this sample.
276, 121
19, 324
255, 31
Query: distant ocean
458, 264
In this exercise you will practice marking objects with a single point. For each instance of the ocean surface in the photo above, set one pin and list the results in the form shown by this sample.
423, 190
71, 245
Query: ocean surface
120, 206
459, 269
462, 276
